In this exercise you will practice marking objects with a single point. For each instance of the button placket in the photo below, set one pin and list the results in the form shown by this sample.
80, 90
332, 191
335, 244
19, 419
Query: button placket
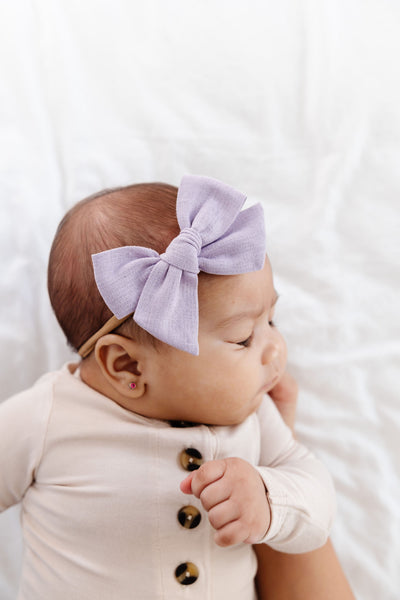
189, 516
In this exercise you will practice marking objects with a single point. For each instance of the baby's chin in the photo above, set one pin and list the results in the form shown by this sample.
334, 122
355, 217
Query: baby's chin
227, 417
236, 418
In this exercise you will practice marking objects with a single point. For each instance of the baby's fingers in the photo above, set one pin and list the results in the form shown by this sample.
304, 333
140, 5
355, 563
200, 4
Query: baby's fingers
186, 484
209, 473
234, 532
223, 513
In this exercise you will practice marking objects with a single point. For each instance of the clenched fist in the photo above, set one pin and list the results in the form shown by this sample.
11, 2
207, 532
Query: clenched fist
233, 494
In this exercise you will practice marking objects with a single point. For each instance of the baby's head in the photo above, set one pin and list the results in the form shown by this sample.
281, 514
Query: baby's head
136, 215
210, 363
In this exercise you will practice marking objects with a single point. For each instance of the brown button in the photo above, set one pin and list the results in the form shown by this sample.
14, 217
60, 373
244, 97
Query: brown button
187, 573
189, 517
191, 459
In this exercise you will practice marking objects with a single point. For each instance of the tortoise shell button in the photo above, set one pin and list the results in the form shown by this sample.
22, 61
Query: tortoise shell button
189, 517
187, 573
191, 459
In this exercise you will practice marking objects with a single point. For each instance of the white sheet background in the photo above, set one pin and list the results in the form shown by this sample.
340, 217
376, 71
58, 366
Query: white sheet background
296, 103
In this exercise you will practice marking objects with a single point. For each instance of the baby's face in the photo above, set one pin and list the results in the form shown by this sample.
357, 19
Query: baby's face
242, 355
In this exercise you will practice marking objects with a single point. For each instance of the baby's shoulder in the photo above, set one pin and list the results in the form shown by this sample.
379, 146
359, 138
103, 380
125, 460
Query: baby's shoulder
37, 398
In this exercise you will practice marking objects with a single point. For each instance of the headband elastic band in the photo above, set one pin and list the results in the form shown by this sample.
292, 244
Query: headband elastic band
108, 327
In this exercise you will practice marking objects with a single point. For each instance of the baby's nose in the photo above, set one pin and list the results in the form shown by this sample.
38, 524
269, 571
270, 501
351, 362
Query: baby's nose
272, 351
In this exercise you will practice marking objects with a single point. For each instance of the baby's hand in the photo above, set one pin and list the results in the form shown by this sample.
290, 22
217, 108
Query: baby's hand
234, 495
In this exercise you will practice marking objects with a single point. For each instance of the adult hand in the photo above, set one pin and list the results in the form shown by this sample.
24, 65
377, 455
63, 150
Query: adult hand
284, 394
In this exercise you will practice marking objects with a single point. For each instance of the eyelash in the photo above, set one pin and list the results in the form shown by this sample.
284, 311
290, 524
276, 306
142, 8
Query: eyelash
246, 343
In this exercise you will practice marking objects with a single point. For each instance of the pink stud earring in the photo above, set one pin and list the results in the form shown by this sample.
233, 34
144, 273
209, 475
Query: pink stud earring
132, 385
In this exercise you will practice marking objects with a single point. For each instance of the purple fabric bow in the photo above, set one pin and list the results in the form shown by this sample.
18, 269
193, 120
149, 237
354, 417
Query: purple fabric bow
161, 290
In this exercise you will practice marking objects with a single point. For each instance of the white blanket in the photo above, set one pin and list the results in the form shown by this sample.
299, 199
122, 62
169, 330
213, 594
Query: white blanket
295, 103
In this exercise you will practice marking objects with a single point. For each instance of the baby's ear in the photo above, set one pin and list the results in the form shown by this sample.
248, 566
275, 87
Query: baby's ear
121, 362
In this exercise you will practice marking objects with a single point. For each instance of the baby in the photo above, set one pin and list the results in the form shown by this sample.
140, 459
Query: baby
148, 469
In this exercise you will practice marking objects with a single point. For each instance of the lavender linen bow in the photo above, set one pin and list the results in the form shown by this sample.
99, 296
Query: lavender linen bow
161, 290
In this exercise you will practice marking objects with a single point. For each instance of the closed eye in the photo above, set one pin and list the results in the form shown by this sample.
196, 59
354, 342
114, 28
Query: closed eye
246, 343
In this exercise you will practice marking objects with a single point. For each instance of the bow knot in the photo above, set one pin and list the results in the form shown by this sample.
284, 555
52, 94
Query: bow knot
183, 252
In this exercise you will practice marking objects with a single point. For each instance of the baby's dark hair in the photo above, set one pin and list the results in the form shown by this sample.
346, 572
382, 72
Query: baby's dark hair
135, 215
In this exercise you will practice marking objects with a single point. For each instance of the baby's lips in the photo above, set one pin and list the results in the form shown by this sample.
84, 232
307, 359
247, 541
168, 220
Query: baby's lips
186, 484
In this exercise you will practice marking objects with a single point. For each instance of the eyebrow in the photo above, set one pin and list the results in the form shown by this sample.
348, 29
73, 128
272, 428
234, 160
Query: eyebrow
246, 314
